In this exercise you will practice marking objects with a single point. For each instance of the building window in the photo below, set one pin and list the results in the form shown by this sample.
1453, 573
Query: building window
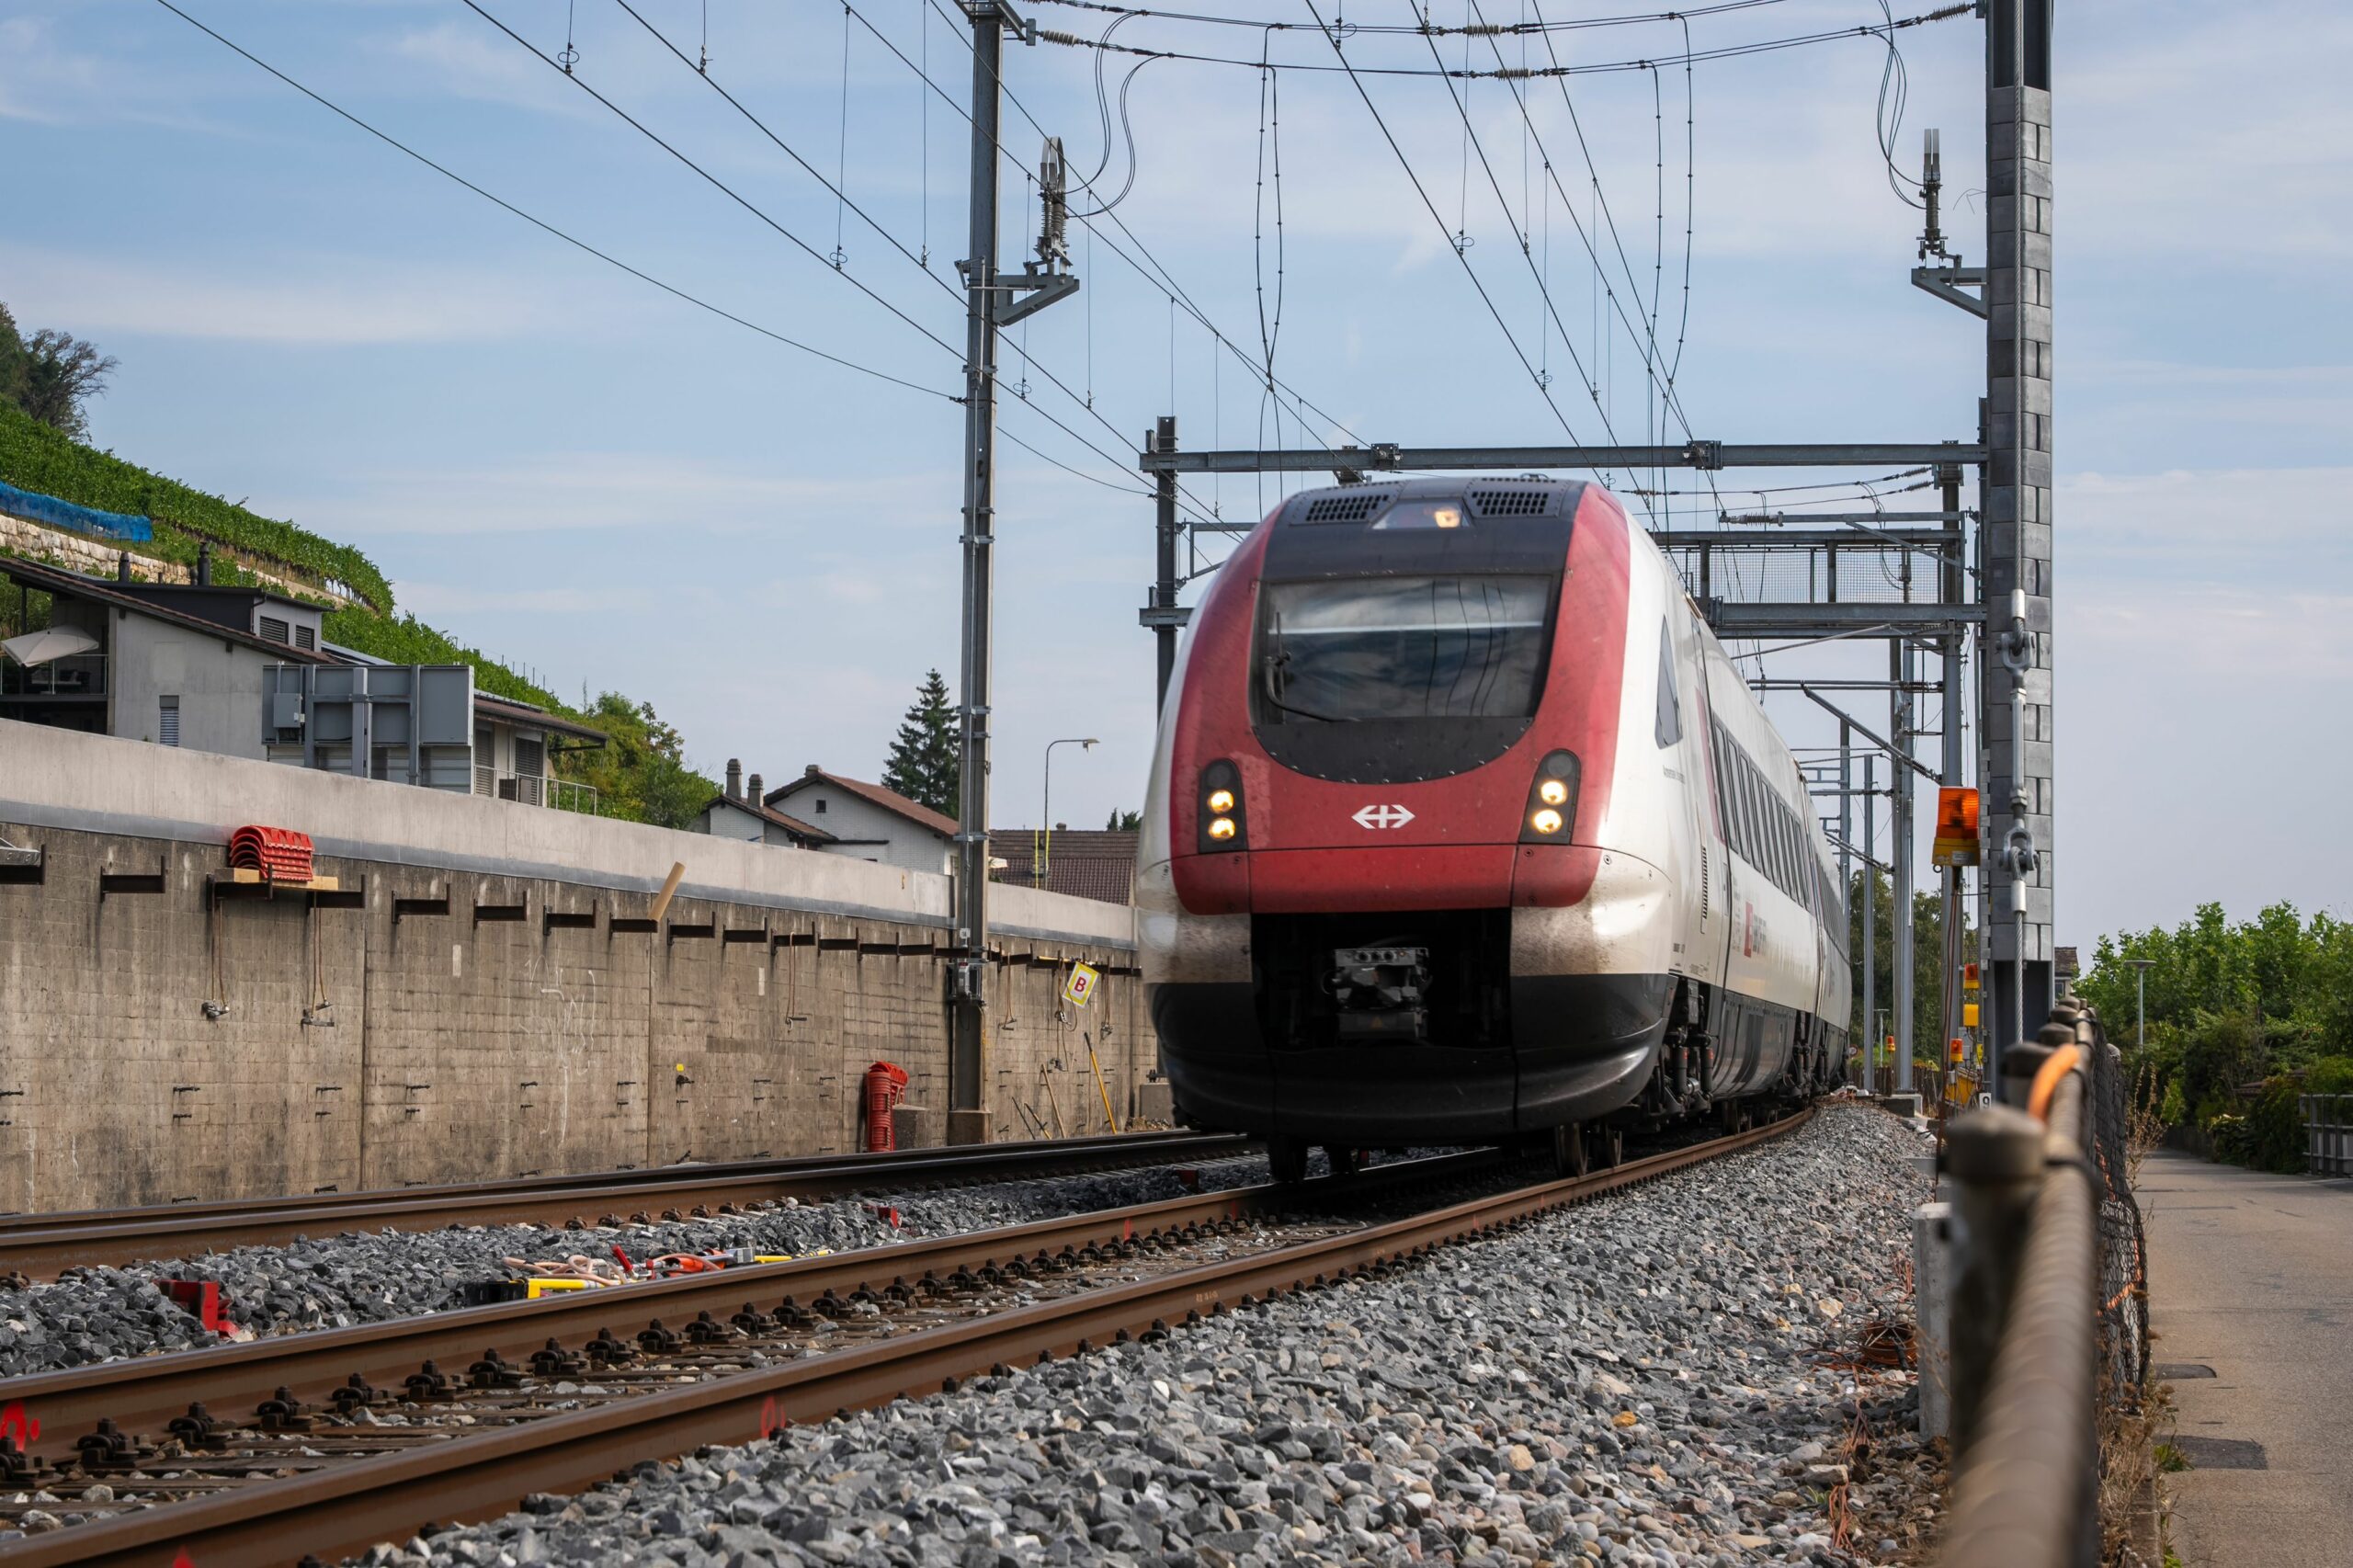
273, 630
305, 637
821, 805
167, 720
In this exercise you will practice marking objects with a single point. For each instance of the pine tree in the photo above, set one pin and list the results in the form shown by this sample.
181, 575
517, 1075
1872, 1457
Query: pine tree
923, 764
1124, 821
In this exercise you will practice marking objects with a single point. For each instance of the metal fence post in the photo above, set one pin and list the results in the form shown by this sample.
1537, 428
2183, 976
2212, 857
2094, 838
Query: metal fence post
1995, 1158
1932, 1270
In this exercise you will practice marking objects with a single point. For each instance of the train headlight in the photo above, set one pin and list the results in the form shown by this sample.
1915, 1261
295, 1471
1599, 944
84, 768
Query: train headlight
1225, 823
1551, 800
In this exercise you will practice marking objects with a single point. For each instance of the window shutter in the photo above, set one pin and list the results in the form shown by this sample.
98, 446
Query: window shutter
167, 720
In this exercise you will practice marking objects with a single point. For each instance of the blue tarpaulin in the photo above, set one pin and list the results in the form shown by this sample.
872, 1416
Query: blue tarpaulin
81, 520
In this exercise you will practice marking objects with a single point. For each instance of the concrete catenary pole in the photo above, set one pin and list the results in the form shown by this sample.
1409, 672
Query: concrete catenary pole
1952, 584
1162, 616
2015, 526
967, 1112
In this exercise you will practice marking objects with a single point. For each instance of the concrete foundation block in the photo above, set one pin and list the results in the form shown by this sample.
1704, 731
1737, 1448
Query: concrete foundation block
917, 1127
967, 1127
1905, 1105
1156, 1103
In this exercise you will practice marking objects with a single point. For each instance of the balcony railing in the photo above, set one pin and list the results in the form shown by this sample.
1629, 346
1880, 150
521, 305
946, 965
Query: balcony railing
76, 674
530, 790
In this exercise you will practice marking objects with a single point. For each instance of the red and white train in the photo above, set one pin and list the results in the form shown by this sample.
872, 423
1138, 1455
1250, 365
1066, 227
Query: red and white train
1463, 828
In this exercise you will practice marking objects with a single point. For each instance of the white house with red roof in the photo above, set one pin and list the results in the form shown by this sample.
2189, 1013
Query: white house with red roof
867, 822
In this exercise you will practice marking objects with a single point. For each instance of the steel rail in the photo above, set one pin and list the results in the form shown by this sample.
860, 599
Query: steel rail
48, 1411
41, 1246
346, 1509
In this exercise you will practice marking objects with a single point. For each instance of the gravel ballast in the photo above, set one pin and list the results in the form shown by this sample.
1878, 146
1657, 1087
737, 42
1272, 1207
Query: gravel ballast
103, 1314
1660, 1375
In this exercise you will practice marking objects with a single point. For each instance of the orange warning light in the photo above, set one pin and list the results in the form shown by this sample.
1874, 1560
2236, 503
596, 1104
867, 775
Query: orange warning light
1968, 980
1956, 827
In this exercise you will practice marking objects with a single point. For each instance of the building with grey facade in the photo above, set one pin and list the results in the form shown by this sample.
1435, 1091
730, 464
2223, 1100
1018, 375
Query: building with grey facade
244, 672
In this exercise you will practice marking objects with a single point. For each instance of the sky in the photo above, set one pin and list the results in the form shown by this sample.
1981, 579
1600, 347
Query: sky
620, 490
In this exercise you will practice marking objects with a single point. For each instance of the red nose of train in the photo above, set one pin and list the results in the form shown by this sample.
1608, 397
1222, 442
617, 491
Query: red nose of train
1410, 711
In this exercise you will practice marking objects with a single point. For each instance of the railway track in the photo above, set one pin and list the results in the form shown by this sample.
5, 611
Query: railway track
41, 1246
321, 1445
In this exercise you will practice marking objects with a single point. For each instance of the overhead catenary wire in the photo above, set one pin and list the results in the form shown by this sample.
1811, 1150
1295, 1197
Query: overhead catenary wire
1150, 269
713, 180
1425, 25
1473, 144
1420, 190
544, 225
772, 222
700, 303
1646, 62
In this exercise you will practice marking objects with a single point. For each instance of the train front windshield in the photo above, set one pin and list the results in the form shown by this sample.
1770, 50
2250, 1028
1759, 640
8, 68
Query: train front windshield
1346, 650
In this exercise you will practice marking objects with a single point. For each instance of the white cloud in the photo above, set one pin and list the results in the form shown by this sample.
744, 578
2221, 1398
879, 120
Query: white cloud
470, 58
431, 599
2215, 636
36, 77
594, 491
2232, 527
272, 298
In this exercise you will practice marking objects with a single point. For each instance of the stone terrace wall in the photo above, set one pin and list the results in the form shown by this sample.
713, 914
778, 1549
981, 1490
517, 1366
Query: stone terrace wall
486, 998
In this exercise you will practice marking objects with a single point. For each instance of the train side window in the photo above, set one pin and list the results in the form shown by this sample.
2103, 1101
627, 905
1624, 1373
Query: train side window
1718, 756
1751, 819
1670, 723
1736, 787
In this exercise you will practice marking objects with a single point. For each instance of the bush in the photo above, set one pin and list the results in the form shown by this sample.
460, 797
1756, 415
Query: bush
2330, 1076
34, 456
2276, 1128
2232, 1141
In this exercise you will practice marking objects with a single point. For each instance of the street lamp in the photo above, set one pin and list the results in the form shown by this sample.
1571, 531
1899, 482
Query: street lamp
1042, 857
2141, 1002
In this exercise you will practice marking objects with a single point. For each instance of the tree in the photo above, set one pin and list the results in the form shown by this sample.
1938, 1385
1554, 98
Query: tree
923, 765
1124, 821
1927, 959
12, 361
54, 374
641, 773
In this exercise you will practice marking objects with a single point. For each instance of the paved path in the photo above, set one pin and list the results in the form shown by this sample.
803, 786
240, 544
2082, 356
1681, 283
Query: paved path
2252, 1277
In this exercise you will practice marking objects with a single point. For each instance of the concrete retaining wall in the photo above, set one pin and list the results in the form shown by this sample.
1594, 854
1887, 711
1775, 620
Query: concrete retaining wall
486, 997
100, 558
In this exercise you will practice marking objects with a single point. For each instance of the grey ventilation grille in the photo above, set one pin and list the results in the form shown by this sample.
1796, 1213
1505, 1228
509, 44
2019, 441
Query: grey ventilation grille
1354, 506
1501, 503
